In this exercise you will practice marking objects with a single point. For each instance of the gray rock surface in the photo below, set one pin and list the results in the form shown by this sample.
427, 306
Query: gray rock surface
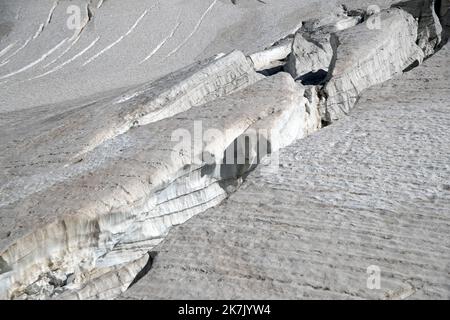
372, 189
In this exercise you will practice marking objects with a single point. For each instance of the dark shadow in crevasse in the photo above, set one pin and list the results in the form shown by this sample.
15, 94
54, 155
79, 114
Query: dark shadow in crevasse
145, 269
313, 78
240, 158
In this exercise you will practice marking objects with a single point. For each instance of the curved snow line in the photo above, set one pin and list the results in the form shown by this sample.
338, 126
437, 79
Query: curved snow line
118, 40
136, 23
42, 26
99, 4
199, 22
68, 61
38, 32
72, 43
5, 50
6, 60
50, 14
74, 39
28, 66
172, 33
